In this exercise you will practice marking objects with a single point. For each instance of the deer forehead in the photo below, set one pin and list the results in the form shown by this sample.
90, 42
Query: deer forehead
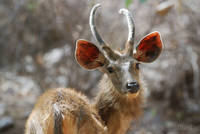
124, 69
123, 63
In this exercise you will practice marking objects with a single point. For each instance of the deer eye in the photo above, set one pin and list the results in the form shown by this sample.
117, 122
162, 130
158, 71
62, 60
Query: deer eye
110, 69
137, 66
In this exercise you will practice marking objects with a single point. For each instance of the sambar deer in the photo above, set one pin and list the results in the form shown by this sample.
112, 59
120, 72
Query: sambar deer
66, 111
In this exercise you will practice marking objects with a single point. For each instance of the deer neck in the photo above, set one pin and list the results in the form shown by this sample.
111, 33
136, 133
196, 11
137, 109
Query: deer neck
116, 110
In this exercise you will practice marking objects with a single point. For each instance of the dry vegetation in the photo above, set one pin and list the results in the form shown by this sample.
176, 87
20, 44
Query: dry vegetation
37, 42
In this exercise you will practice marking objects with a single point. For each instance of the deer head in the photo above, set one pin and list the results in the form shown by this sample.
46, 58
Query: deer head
121, 67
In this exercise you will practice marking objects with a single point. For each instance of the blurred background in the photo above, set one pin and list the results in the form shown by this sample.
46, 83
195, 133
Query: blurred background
37, 43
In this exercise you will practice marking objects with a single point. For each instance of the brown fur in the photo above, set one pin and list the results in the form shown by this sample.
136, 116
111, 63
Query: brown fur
79, 116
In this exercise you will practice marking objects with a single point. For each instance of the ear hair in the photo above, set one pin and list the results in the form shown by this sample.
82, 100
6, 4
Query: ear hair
149, 48
88, 55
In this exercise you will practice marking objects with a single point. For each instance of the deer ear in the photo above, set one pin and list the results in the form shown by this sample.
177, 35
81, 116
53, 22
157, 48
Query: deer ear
88, 55
149, 48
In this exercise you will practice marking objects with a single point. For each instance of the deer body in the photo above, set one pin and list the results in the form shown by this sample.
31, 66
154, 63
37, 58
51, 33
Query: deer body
110, 113
66, 111
63, 111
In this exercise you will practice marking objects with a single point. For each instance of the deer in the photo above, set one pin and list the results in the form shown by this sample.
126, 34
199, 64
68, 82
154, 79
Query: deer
120, 96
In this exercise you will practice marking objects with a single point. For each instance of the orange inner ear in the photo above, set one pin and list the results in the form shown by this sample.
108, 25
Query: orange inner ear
88, 55
149, 48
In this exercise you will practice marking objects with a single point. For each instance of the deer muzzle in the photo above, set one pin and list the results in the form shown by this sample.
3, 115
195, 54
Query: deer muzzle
132, 87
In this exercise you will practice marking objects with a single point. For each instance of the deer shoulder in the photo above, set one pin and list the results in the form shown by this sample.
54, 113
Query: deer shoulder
63, 111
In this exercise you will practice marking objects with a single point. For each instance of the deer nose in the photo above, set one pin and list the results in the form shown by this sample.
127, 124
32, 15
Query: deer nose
132, 87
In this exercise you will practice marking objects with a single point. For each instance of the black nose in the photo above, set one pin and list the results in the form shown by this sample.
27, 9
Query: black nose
132, 87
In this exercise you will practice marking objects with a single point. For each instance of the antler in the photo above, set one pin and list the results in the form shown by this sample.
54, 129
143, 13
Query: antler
103, 47
131, 27
93, 27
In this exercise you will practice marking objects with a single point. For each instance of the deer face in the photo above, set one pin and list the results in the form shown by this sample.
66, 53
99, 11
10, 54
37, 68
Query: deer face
121, 67
124, 74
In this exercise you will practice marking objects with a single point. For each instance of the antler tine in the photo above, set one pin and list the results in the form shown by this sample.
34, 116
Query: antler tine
131, 27
92, 25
